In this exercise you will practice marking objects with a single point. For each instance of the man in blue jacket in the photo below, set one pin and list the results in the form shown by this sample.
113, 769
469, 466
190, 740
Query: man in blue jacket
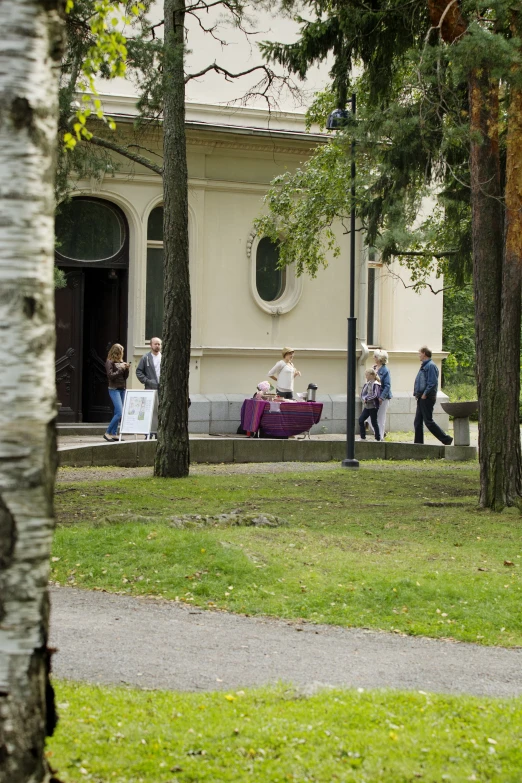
425, 392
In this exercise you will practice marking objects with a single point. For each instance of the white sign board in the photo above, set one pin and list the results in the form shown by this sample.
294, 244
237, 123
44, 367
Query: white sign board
140, 413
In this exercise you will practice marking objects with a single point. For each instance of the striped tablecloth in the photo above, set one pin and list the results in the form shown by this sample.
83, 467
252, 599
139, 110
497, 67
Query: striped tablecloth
285, 418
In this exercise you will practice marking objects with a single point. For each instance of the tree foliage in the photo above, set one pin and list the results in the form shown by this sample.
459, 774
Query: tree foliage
412, 132
104, 54
458, 335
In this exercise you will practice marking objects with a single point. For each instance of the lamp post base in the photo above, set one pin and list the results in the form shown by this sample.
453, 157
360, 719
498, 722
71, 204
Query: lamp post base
350, 463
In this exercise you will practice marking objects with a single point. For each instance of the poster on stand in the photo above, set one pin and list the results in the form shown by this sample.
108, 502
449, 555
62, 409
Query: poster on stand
140, 412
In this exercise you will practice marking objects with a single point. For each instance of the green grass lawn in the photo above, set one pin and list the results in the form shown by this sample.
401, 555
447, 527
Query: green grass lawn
397, 547
277, 735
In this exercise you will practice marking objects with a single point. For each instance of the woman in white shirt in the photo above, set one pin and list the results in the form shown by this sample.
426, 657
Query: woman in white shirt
284, 373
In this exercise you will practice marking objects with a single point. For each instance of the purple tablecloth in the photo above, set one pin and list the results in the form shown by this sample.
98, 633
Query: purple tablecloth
292, 418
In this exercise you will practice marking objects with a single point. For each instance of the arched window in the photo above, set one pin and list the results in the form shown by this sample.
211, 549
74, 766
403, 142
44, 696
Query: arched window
270, 278
89, 230
154, 289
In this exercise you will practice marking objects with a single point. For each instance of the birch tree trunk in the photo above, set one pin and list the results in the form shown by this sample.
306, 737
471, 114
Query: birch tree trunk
172, 454
30, 49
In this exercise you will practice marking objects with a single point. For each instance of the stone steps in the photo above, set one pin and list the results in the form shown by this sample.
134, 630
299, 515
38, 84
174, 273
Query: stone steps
77, 430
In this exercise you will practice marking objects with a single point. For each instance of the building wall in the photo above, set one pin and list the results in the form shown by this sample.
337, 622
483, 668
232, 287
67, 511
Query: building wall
236, 338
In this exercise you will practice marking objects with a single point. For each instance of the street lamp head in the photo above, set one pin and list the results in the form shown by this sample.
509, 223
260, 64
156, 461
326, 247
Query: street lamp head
338, 118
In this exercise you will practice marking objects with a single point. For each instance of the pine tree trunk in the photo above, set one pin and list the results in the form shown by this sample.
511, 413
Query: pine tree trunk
496, 273
30, 48
488, 244
172, 455
511, 288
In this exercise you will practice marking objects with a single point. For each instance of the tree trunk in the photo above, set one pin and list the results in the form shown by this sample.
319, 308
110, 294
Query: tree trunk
488, 243
511, 289
172, 455
496, 275
30, 49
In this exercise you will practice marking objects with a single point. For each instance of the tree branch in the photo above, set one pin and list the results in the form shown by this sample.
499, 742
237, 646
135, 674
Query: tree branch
228, 76
125, 151
443, 254
423, 283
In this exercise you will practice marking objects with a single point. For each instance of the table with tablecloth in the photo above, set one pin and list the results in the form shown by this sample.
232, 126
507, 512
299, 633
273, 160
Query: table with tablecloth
279, 419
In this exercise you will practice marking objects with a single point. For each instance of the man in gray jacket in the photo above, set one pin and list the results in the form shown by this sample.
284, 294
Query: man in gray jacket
149, 368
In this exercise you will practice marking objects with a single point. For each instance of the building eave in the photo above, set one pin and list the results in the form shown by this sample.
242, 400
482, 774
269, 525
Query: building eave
236, 120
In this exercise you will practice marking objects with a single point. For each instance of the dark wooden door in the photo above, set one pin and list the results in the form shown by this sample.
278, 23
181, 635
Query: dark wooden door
69, 304
104, 324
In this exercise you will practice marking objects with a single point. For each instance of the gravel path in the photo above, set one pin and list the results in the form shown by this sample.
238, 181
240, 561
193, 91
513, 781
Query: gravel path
113, 639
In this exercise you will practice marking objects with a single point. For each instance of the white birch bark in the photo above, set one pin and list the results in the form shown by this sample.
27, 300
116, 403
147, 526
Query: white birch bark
30, 48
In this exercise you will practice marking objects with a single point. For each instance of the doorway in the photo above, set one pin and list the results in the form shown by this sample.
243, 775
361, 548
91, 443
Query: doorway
91, 311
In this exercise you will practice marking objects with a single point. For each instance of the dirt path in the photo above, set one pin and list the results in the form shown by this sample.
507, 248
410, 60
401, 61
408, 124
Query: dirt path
113, 639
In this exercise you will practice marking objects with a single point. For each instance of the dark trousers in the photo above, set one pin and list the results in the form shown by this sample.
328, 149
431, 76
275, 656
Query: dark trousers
424, 415
286, 395
369, 413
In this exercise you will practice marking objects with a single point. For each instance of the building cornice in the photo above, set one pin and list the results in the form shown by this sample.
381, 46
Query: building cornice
126, 105
237, 120
194, 183
305, 353
214, 139
250, 140
267, 133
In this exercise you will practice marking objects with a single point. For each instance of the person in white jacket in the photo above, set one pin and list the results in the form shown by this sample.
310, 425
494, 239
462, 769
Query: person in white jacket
283, 373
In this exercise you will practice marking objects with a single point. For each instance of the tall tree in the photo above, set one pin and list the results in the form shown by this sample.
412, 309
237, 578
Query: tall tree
30, 51
172, 454
438, 90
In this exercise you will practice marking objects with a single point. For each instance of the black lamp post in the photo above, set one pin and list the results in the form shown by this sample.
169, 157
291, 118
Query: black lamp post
338, 119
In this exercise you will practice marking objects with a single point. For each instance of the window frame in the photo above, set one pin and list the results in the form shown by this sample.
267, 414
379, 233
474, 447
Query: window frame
373, 263
281, 272
151, 244
120, 258
293, 287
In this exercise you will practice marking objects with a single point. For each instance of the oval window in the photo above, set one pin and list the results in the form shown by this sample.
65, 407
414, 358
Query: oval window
270, 279
89, 230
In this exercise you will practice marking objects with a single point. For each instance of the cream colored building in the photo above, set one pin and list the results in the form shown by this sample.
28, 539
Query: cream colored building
243, 309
